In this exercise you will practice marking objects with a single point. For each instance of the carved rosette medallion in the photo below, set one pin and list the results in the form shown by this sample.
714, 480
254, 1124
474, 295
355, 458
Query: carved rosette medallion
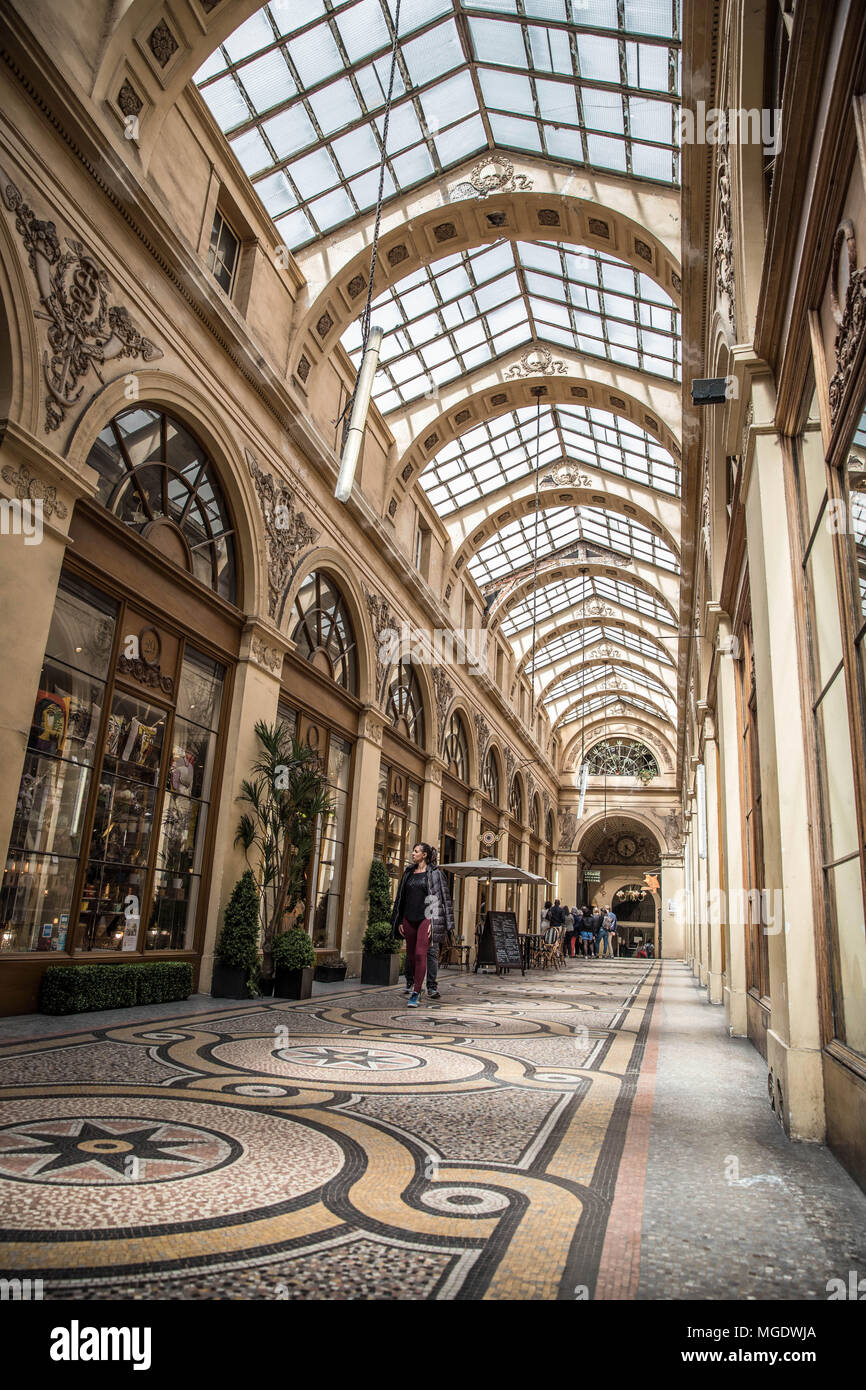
30, 488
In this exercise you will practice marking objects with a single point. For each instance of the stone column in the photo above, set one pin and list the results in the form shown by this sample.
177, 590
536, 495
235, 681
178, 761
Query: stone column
730, 830
793, 1035
255, 696
715, 914
472, 850
361, 834
39, 491
673, 907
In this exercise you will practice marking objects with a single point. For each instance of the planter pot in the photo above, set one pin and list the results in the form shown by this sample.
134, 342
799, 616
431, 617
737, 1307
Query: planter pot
266, 984
380, 970
330, 974
293, 984
229, 982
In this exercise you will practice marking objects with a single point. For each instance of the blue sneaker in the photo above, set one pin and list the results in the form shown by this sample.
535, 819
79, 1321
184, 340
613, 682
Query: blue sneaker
414, 1001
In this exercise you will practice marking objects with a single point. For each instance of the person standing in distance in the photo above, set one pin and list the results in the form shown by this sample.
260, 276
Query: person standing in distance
423, 916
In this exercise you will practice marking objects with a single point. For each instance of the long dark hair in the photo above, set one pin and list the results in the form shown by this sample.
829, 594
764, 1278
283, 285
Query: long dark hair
429, 853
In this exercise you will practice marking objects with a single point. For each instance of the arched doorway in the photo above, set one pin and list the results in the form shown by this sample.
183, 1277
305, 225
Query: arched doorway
635, 911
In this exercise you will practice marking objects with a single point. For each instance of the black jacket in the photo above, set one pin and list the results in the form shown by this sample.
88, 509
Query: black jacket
438, 905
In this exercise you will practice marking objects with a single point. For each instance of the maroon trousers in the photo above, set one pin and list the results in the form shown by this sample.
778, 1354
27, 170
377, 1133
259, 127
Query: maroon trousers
417, 938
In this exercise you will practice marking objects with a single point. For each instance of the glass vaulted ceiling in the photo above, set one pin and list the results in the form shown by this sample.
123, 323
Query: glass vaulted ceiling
300, 91
554, 651
448, 318
559, 530
501, 451
577, 596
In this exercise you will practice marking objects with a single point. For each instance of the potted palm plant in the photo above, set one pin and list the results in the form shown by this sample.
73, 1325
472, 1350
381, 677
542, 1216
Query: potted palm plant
294, 964
287, 798
380, 963
236, 963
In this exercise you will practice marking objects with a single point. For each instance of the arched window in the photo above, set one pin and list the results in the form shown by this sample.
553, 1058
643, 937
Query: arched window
534, 816
404, 705
490, 778
515, 801
323, 630
157, 477
456, 749
622, 757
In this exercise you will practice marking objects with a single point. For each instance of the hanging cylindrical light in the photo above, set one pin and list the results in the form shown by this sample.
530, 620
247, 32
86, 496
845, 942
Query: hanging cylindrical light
584, 776
358, 418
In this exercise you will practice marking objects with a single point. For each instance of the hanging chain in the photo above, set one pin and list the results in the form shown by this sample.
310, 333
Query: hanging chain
537, 391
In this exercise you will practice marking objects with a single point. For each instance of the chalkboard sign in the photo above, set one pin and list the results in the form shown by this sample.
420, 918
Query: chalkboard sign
499, 944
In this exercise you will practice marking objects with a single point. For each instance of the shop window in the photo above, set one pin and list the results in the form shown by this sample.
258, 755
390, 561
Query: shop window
112, 812
224, 253
490, 778
833, 511
156, 477
38, 895
326, 867
456, 749
452, 841
404, 704
398, 812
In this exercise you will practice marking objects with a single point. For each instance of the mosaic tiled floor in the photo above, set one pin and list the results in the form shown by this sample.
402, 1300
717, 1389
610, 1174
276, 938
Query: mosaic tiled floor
344, 1147
587, 1134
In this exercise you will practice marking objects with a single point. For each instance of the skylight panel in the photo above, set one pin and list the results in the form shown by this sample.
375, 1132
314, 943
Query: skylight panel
557, 102
510, 91
414, 13
496, 42
295, 229
433, 54
363, 30
335, 106
267, 80
513, 132
598, 58
290, 132
357, 151
403, 129
365, 190
460, 141
602, 110
448, 101
294, 14
252, 153
315, 173
550, 50
226, 103
316, 55
276, 194
331, 210
606, 152
251, 36
647, 67
649, 17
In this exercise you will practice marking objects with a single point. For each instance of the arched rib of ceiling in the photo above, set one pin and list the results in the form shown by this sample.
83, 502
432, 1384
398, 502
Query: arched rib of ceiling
661, 587
594, 500
604, 673
620, 706
466, 227
558, 642
463, 405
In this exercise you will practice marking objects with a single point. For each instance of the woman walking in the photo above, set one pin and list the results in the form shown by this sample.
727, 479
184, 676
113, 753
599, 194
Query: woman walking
423, 916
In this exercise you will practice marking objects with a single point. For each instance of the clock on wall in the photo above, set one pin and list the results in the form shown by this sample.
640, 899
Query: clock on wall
626, 846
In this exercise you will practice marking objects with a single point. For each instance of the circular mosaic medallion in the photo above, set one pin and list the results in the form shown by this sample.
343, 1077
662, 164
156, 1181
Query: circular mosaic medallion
339, 1061
252, 1089
71, 1164
468, 1201
109, 1150
347, 1058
